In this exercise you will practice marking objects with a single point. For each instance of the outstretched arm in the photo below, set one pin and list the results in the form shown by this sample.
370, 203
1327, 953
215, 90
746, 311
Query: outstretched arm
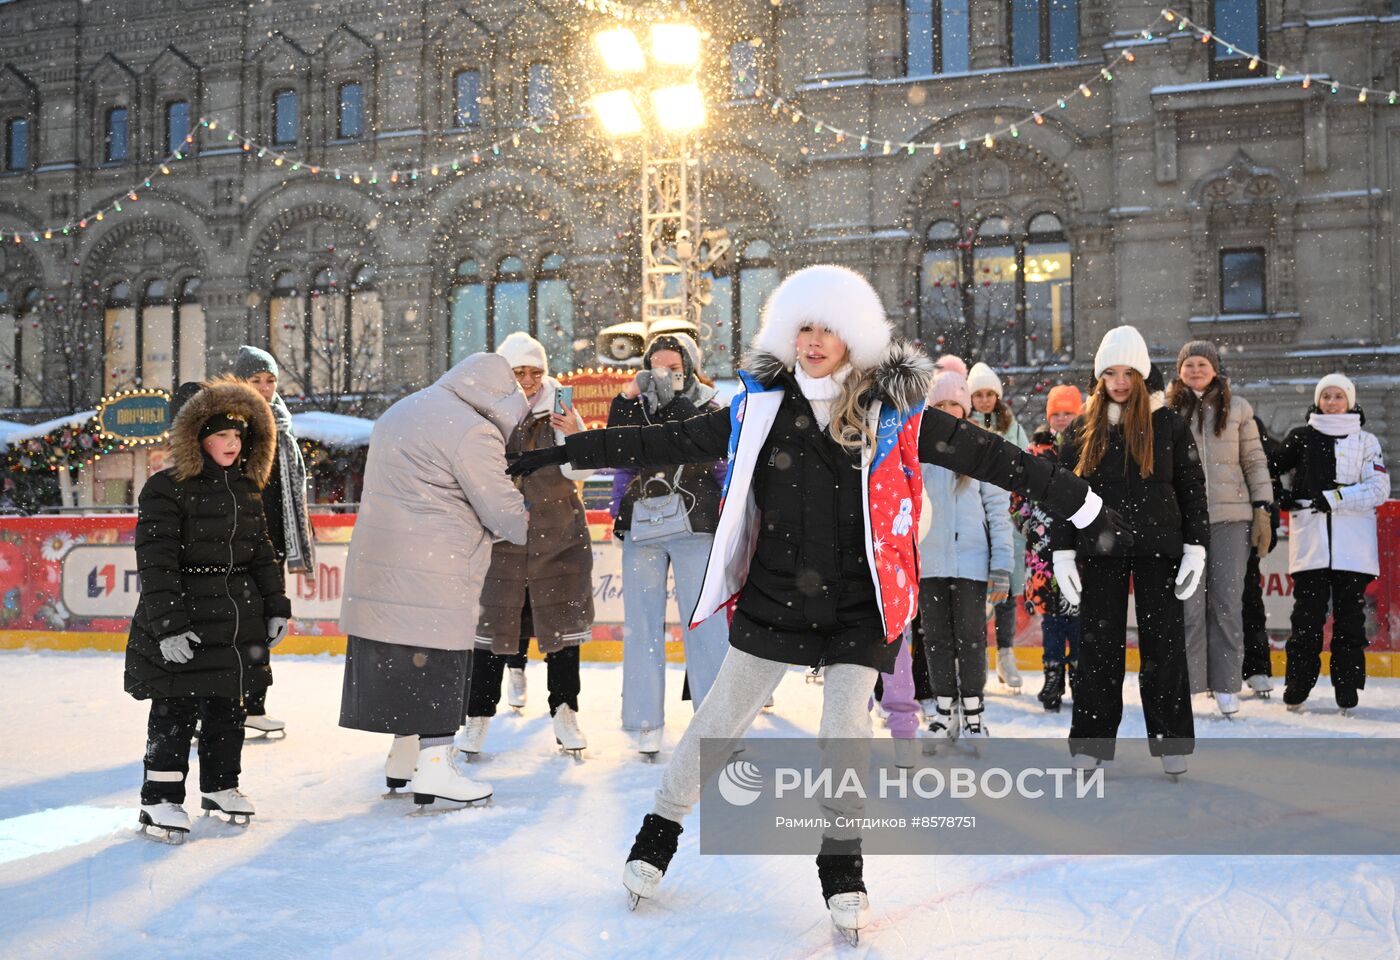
961, 447
697, 440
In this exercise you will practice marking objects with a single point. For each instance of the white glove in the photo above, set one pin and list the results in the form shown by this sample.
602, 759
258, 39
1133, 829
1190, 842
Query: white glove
1193, 567
177, 649
276, 630
1067, 575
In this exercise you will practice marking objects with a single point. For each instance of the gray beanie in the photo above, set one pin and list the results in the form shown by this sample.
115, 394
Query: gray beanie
251, 360
1199, 348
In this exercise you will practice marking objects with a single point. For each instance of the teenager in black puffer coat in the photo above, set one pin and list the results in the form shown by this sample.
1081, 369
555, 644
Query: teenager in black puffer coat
1140, 457
212, 598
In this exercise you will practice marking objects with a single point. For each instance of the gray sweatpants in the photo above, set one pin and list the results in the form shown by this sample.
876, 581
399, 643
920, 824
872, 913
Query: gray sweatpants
1214, 614
742, 688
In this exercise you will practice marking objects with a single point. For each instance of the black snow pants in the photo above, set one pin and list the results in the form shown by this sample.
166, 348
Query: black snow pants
1312, 590
168, 734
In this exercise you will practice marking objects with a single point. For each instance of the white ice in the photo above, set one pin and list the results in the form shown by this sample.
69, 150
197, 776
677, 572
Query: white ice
328, 869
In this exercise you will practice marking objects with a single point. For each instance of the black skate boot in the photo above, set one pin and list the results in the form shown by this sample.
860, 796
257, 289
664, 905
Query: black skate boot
1347, 699
650, 856
1053, 692
841, 870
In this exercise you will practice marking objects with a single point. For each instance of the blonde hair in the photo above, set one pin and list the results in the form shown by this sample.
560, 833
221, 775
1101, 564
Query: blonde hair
850, 413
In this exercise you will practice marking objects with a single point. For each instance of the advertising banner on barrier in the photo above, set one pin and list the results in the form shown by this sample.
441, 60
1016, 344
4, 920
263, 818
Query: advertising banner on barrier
78, 574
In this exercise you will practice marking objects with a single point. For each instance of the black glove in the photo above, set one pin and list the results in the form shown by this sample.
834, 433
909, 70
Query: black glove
1109, 528
1321, 504
524, 464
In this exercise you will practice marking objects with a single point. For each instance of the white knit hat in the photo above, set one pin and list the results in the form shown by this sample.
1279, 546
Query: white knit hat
523, 350
1122, 347
1341, 383
833, 297
983, 377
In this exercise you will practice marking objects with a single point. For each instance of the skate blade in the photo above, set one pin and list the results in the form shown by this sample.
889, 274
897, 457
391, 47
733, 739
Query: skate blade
395, 791
427, 806
252, 733
232, 819
172, 838
575, 752
517, 708
648, 757
852, 936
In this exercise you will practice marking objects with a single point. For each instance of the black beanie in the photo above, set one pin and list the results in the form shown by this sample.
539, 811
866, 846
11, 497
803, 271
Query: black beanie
223, 421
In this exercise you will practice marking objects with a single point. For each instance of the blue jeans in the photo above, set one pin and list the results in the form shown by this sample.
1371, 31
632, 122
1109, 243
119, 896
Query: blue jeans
1055, 632
644, 626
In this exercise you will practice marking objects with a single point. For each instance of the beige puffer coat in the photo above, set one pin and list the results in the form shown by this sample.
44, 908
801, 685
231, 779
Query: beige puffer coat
1237, 469
435, 496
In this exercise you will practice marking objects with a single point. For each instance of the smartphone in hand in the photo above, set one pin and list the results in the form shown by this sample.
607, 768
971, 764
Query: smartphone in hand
563, 397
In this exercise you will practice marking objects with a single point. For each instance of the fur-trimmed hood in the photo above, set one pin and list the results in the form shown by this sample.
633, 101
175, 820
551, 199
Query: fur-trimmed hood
833, 297
901, 377
224, 395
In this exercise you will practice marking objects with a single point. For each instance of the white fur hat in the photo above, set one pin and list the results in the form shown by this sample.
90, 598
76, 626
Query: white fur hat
1339, 381
829, 296
1122, 347
983, 377
523, 350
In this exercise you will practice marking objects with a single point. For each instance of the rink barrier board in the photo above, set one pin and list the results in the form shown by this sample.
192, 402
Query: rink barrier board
1378, 664
68, 583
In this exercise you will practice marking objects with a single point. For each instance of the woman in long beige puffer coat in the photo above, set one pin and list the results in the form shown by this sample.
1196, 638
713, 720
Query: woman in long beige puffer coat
1238, 493
435, 497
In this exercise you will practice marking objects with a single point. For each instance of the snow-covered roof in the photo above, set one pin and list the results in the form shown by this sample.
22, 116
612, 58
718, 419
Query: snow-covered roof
332, 429
13, 433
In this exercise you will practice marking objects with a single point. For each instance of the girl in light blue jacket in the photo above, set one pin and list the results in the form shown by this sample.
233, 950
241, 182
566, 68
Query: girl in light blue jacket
965, 559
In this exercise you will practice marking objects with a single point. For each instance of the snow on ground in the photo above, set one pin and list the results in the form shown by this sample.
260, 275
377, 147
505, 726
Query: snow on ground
328, 869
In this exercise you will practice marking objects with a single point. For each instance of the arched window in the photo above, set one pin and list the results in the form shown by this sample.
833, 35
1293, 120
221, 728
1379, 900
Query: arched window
466, 99
190, 335
17, 144
729, 321
119, 333
155, 331
487, 309
286, 309
539, 91
510, 300
1045, 31
21, 349
937, 35
554, 312
991, 290
364, 331
468, 320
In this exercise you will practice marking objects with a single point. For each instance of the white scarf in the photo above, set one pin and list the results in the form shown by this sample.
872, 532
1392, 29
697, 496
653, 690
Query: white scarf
1155, 401
821, 392
1335, 424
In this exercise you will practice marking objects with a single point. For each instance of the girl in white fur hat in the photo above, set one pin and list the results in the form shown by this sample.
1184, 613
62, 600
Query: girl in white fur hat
1139, 456
824, 442
1338, 480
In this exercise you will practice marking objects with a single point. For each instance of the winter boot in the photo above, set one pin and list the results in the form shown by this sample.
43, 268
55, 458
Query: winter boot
166, 822
231, 803
1347, 699
265, 727
650, 856
399, 767
840, 868
973, 727
437, 778
1261, 685
1007, 671
945, 725
1229, 703
470, 737
515, 694
566, 732
1052, 693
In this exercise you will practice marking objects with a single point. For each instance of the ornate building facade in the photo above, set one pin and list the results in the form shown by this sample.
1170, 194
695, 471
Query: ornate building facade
1193, 195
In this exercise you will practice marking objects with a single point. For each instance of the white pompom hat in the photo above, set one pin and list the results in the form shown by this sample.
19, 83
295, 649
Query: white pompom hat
983, 377
829, 296
1341, 382
523, 350
1122, 347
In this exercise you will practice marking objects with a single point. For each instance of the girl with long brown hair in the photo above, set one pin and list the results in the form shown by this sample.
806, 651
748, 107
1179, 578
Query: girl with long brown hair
1140, 458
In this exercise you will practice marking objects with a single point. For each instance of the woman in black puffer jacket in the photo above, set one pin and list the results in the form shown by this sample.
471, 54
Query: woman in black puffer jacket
1140, 458
212, 595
